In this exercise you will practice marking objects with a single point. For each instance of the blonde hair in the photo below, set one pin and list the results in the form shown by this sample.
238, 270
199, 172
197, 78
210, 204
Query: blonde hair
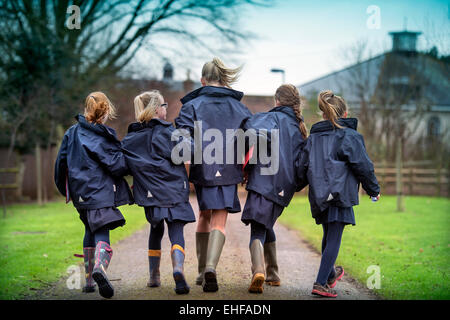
332, 106
145, 105
288, 95
216, 71
97, 106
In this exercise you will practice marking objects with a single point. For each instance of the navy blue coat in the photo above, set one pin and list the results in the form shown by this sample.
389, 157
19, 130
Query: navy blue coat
91, 157
156, 180
219, 108
279, 187
334, 162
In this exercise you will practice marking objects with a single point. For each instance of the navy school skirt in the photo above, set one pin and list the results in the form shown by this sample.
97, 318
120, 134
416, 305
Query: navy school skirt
95, 219
337, 214
258, 208
218, 197
181, 211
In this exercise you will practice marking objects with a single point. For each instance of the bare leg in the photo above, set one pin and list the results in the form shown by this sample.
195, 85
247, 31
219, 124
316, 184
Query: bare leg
219, 220
204, 221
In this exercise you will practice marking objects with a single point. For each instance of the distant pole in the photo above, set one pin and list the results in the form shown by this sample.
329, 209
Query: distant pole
38, 174
283, 74
399, 175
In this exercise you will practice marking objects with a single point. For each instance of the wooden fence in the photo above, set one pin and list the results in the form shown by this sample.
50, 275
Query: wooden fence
418, 178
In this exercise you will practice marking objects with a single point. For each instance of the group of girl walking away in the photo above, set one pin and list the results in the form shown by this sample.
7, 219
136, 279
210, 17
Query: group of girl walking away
92, 163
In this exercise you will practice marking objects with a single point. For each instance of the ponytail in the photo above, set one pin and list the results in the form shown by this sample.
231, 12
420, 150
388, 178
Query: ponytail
288, 95
216, 71
97, 106
145, 105
332, 106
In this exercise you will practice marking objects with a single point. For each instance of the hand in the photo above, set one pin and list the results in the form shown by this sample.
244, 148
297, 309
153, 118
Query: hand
245, 179
375, 199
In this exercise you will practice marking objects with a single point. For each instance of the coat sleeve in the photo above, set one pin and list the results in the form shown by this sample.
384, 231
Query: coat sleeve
111, 157
301, 167
353, 151
185, 119
61, 167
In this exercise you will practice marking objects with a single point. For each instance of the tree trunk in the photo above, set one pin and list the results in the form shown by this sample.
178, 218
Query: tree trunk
399, 182
20, 163
38, 174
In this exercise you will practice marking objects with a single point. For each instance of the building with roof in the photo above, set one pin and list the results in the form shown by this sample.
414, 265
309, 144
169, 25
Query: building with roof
409, 86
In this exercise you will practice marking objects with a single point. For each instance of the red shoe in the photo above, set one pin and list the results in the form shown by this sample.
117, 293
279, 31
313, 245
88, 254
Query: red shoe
324, 291
339, 272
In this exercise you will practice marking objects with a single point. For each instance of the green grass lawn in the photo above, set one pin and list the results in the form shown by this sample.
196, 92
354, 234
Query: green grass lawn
411, 248
37, 244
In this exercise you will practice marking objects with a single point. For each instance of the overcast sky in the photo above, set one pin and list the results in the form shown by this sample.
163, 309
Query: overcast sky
309, 39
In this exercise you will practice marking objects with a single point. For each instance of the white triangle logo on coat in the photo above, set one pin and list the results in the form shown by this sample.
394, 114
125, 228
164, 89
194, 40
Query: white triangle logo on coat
281, 193
330, 197
218, 174
80, 199
149, 194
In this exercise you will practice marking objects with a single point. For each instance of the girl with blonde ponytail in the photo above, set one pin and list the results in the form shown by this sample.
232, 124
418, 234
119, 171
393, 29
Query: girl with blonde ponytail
159, 185
334, 163
213, 106
268, 195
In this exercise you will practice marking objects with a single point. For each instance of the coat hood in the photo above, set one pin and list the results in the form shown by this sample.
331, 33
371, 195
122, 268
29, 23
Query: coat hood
138, 126
326, 125
100, 129
213, 92
285, 109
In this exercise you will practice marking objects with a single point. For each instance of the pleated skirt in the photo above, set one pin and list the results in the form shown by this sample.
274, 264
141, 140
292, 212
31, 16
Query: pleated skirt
258, 208
218, 197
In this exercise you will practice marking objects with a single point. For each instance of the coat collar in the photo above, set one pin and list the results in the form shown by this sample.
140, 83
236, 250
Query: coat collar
138, 126
285, 109
326, 125
99, 129
213, 92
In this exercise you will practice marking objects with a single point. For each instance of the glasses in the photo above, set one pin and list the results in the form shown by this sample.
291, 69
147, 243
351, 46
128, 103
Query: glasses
164, 105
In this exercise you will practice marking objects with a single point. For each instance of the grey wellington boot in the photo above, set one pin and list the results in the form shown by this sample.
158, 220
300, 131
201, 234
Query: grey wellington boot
215, 246
257, 256
270, 256
201, 240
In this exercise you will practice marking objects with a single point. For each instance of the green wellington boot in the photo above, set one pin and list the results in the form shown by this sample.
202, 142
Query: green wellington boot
215, 246
201, 241
270, 257
257, 256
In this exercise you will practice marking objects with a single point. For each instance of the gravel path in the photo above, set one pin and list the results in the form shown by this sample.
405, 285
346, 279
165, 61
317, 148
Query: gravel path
298, 265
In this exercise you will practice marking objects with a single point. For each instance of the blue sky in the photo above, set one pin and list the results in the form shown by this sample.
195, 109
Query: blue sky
309, 39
